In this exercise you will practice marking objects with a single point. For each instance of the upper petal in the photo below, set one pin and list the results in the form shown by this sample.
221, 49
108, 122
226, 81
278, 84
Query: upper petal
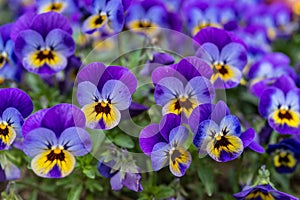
87, 93
234, 54
232, 124
61, 42
38, 140
76, 140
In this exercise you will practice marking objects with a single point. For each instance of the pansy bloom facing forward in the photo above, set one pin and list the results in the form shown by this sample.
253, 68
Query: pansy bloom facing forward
286, 155
103, 92
106, 16
14, 107
280, 104
43, 42
225, 53
218, 134
53, 137
181, 87
264, 192
164, 143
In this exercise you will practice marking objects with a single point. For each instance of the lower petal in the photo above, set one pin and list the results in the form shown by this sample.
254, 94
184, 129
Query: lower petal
101, 120
228, 149
7, 136
180, 163
56, 168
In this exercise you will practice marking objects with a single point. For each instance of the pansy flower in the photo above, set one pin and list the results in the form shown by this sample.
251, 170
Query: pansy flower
225, 53
264, 191
53, 137
120, 167
265, 71
200, 15
9, 68
219, 134
103, 92
14, 107
146, 17
165, 144
181, 87
43, 42
106, 16
60, 6
286, 155
280, 104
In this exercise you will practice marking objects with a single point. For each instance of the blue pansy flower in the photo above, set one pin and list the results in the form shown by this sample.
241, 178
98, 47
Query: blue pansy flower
106, 16
286, 155
219, 134
43, 42
280, 104
165, 144
103, 92
53, 137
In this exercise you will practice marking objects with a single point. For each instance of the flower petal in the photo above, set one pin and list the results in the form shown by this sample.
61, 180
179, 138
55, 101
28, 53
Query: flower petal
37, 140
76, 141
232, 124
118, 93
167, 89
61, 42
269, 101
87, 93
178, 136
168, 123
235, 55
207, 128
159, 155
33, 122
16, 98
42, 166
14, 119
91, 72
179, 164
150, 136
247, 137
62, 116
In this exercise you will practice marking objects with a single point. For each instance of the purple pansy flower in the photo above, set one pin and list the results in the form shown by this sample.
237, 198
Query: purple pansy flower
9, 68
53, 137
280, 104
164, 143
14, 107
106, 16
265, 191
286, 155
266, 70
43, 42
120, 167
181, 87
147, 16
225, 53
103, 92
200, 15
218, 134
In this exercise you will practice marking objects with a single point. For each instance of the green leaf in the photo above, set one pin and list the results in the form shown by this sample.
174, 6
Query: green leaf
89, 172
205, 173
163, 192
75, 193
123, 140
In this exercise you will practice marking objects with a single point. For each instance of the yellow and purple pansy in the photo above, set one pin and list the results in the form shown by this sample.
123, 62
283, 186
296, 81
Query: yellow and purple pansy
43, 42
106, 16
60, 6
147, 17
266, 70
15, 106
264, 191
103, 92
53, 137
181, 87
285, 154
280, 104
225, 53
218, 134
165, 144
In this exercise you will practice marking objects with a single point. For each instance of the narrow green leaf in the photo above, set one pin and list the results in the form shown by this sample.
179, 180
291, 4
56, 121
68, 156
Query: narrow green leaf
75, 193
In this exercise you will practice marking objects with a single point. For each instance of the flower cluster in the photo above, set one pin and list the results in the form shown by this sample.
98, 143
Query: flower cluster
242, 49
